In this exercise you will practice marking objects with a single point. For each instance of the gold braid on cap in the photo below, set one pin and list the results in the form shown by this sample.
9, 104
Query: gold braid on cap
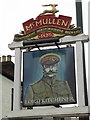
50, 58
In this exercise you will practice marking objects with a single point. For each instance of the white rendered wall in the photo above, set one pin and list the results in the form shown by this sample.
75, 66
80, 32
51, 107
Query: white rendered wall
7, 85
0, 96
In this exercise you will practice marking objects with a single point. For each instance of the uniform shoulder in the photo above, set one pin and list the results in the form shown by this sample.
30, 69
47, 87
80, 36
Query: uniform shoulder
61, 81
36, 83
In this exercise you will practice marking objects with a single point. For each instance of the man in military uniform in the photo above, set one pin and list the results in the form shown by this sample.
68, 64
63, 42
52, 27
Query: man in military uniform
48, 90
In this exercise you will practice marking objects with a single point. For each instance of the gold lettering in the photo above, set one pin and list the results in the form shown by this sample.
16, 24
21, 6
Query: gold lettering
30, 26
49, 21
59, 22
47, 34
64, 23
54, 21
38, 22
45, 21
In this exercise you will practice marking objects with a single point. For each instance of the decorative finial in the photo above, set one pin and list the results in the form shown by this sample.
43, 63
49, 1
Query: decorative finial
53, 10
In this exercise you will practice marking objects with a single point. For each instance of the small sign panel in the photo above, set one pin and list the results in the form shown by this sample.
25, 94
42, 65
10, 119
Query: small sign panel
49, 77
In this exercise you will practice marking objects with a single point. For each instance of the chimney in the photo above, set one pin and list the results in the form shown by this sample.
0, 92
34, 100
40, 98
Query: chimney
9, 57
3, 58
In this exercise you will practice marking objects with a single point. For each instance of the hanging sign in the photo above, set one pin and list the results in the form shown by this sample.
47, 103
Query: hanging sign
49, 77
47, 25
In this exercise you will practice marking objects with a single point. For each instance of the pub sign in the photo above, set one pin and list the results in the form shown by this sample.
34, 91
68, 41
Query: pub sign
49, 77
47, 25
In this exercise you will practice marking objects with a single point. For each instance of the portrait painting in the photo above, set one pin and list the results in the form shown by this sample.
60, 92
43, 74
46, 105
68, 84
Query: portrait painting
49, 77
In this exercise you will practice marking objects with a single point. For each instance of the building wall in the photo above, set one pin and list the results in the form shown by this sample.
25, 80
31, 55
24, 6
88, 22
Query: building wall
0, 97
7, 86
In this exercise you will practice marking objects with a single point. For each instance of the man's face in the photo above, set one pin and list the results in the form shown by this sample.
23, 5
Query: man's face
50, 70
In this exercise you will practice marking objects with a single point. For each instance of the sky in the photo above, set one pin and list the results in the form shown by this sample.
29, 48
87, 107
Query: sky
15, 12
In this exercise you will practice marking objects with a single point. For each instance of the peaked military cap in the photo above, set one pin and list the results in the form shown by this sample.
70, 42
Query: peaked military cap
49, 59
